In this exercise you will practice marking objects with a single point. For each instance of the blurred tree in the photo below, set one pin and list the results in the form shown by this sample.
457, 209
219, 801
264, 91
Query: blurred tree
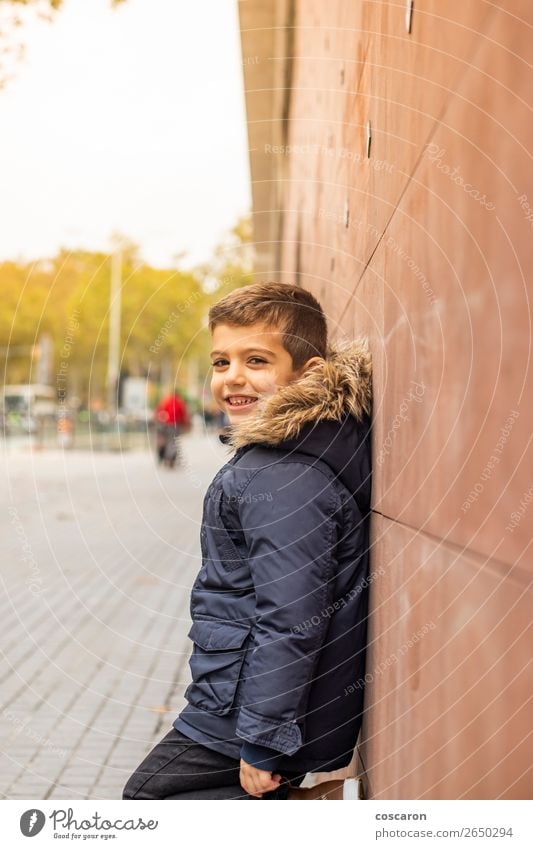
163, 317
234, 252
13, 15
68, 297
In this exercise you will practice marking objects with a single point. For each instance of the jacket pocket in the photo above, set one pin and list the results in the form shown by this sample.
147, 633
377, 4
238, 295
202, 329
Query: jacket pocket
216, 662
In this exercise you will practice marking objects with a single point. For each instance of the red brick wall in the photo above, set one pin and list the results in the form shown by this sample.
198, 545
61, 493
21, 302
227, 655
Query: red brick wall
426, 247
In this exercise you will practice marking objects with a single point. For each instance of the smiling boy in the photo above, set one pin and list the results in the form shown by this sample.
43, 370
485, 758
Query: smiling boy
249, 365
279, 606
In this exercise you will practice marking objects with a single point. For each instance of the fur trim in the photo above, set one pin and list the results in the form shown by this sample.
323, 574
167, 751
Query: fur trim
341, 383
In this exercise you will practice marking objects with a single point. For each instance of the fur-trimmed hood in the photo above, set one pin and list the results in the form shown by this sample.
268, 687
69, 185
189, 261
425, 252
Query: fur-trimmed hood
338, 385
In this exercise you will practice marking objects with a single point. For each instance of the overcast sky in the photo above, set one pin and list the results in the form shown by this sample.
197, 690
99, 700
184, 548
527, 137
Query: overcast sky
129, 120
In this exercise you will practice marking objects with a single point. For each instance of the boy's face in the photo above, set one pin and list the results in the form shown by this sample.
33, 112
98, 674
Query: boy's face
249, 363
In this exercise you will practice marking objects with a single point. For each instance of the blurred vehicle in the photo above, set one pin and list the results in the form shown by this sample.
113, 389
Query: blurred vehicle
135, 393
26, 406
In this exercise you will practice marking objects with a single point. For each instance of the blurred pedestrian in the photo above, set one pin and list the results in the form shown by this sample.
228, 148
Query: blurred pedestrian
65, 430
172, 419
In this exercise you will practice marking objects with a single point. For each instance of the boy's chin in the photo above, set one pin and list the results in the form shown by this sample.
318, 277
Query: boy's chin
240, 416
243, 413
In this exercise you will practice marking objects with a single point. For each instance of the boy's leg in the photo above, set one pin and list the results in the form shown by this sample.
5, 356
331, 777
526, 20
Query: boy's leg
234, 791
178, 765
179, 768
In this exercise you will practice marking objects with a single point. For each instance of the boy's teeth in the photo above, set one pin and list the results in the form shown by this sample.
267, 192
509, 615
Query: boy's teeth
240, 401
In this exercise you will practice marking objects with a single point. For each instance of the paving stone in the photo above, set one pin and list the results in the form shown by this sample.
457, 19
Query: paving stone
87, 672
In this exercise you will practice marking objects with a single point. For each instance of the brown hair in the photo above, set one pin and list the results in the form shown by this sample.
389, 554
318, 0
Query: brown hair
293, 311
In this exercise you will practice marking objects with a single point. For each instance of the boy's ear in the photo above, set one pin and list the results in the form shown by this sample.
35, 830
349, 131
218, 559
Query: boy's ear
310, 362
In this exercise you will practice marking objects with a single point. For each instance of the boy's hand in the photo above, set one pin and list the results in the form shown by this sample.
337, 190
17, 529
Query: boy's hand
257, 781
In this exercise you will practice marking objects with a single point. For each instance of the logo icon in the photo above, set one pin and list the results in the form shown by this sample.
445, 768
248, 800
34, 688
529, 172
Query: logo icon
32, 822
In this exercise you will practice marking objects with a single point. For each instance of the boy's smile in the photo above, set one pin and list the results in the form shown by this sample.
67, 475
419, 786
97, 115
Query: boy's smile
249, 364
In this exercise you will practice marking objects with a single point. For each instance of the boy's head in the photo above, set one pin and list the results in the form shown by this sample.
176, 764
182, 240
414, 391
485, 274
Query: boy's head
264, 336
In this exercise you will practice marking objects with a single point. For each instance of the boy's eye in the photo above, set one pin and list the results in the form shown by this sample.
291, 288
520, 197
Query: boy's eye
224, 362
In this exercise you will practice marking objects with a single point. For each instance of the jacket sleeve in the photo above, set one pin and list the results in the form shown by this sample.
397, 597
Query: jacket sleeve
261, 757
289, 517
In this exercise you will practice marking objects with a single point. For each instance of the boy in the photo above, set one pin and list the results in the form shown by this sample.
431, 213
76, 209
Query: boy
279, 606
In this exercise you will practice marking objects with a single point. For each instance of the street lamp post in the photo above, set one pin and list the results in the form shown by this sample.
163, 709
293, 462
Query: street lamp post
115, 294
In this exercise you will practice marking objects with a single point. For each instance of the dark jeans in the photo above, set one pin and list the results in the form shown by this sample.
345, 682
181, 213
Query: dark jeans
179, 768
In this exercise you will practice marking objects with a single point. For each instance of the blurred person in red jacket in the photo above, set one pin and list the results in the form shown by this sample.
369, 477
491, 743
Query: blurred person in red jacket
172, 419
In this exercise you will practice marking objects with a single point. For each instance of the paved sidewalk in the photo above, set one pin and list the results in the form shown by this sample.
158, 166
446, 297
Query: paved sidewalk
99, 554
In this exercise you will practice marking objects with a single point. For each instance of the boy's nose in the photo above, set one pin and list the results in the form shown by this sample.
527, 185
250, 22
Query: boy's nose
234, 386
234, 377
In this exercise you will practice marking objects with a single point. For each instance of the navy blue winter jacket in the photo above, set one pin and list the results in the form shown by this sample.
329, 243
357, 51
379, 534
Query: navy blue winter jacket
279, 607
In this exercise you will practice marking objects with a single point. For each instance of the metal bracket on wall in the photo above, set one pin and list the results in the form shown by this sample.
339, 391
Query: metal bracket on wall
368, 138
346, 214
409, 15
